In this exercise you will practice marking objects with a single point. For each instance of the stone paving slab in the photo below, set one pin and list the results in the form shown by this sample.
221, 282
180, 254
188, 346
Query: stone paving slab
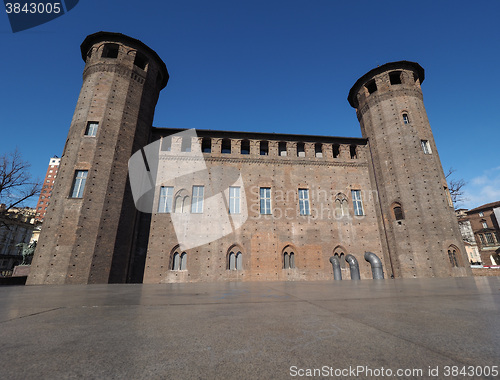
248, 330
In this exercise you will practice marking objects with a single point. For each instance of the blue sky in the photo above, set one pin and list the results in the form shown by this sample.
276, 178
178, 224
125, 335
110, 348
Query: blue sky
270, 66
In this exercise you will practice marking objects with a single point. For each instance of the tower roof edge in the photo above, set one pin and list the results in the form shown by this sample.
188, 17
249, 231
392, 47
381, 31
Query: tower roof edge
119, 37
351, 98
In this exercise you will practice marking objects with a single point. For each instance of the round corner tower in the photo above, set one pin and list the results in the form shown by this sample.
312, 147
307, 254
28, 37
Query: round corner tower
89, 228
416, 213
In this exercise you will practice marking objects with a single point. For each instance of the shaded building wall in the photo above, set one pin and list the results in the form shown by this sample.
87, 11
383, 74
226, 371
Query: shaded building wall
88, 239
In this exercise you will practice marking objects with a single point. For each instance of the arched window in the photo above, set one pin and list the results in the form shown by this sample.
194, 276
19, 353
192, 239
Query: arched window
235, 258
181, 204
339, 252
183, 265
288, 257
239, 260
453, 255
178, 259
341, 206
232, 261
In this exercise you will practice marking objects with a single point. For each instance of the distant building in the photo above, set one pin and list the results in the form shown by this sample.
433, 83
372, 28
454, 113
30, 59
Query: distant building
468, 236
48, 185
16, 226
484, 224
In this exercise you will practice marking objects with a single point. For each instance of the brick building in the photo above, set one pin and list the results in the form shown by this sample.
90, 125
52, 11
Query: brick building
250, 206
484, 224
48, 185
468, 237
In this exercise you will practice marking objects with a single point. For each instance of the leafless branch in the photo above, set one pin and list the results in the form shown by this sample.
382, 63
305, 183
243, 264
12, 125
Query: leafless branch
16, 182
456, 187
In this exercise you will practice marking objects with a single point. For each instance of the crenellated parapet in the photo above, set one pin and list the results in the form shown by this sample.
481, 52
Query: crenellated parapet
266, 146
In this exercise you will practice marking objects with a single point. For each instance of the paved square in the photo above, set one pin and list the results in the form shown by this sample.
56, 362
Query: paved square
248, 330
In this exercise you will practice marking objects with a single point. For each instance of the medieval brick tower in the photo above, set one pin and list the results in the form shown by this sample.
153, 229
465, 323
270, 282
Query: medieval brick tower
88, 233
416, 212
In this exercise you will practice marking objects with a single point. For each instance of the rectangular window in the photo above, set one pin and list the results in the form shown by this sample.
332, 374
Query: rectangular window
485, 225
245, 147
357, 202
304, 202
206, 145
79, 183
166, 144
483, 240
110, 51
265, 200
282, 149
197, 200
489, 238
140, 61
426, 147
166, 199
318, 150
226, 146
186, 144
234, 200
301, 149
371, 87
481, 214
91, 129
264, 148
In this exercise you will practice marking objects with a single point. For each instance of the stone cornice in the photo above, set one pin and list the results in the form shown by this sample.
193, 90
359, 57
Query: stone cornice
268, 161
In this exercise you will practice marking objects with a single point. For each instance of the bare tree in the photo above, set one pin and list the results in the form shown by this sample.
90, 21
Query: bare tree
455, 186
16, 183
